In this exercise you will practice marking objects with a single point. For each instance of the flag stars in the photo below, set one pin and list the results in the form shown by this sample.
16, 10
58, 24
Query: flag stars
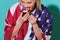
47, 20
47, 15
43, 25
50, 31
43, 12
39, 19
49, 25
46, 31
37, 16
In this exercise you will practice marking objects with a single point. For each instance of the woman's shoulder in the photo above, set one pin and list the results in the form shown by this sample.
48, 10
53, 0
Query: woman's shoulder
13, 8
45, 9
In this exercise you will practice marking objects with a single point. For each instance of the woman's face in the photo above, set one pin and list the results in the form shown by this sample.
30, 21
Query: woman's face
28, 3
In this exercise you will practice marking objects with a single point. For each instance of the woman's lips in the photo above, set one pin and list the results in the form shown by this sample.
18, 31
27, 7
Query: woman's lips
26, 10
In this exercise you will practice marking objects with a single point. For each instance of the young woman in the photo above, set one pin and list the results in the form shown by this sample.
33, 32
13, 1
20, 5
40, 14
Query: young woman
34, 24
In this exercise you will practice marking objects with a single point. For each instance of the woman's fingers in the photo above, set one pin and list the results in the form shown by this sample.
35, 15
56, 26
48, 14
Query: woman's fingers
20, 16
32, 19
25, 17
27, 14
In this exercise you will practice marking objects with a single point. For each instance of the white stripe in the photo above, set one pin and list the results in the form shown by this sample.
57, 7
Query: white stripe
13, 8
34, 38
7, 24
47, 37
28, 32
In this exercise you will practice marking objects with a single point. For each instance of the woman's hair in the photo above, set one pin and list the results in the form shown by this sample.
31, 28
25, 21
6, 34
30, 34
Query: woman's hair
39, 4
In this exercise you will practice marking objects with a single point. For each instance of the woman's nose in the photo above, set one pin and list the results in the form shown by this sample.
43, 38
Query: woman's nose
25, 5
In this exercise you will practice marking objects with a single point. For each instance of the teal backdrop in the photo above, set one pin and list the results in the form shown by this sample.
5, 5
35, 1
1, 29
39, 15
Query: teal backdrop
52, 5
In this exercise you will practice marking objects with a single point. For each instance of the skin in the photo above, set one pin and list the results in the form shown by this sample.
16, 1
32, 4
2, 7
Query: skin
28, 3
30, 18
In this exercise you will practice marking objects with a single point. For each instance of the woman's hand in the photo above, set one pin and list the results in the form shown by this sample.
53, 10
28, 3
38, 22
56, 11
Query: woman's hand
35, 26
32, 19
23, 18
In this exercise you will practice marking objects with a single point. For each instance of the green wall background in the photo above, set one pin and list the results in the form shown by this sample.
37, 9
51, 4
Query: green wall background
52, 5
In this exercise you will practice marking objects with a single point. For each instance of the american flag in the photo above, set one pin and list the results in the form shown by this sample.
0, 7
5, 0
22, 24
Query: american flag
44, 20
